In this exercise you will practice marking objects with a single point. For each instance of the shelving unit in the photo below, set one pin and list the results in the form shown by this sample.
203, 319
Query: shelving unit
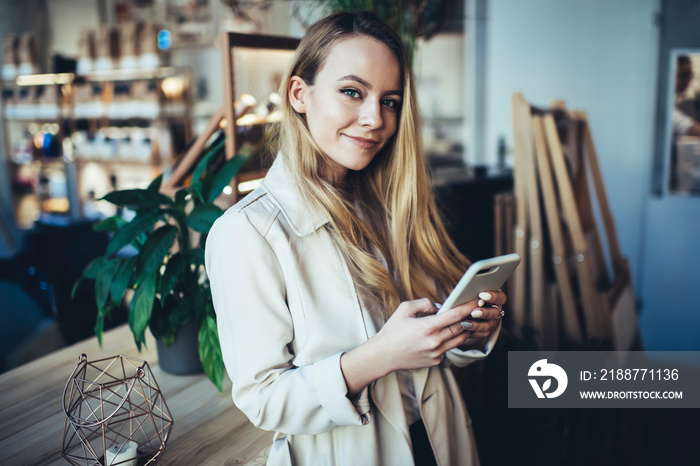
253, 67
72, 138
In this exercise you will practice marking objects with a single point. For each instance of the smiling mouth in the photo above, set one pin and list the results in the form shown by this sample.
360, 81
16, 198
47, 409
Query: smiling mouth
362, 142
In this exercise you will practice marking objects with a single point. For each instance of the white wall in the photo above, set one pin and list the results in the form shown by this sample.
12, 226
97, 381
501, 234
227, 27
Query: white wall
438, 71
599, 56
68, 19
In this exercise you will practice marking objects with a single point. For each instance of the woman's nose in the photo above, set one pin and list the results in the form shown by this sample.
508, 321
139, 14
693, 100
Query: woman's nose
371, 114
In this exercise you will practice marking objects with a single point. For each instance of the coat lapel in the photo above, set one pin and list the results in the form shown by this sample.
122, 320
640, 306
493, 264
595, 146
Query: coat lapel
303, 218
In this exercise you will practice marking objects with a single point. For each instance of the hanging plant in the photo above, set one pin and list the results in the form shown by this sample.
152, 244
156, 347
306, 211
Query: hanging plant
411, 19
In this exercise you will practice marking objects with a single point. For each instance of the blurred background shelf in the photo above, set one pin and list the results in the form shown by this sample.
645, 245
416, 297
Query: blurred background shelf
74, 137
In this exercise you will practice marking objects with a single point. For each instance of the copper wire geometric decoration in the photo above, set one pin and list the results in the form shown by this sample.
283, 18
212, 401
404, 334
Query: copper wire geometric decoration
115, 414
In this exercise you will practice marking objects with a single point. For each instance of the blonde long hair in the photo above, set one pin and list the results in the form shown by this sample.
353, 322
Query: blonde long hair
397, 214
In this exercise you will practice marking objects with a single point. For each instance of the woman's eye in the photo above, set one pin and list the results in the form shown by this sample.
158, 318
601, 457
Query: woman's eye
391, 103
350, 93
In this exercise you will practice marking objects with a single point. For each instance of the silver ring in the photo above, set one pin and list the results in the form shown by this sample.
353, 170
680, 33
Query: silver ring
499, 308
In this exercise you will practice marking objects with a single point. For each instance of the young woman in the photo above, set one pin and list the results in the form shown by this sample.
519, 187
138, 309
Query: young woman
324, 278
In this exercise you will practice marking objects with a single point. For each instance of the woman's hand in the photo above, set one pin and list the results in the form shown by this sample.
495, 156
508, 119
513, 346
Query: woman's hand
487, 313
416, 337
485, 316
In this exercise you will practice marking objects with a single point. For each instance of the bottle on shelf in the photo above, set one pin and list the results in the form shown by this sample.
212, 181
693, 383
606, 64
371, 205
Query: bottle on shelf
119, 106
9, 100
10, 58
129, 45
27, 54
86, 52
106, 48
25, 103
148, 46
47, 107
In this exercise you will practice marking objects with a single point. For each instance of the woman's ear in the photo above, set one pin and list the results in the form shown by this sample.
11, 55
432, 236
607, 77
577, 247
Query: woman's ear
297, 90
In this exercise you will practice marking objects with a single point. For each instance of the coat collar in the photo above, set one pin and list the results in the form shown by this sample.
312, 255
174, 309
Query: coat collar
303, 217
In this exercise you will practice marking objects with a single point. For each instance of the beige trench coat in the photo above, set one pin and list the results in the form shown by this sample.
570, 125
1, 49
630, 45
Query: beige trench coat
287, 309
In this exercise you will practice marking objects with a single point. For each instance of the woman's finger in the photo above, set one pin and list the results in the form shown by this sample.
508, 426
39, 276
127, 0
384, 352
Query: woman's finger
453, 330
470, 329
454, 315
493, 297
417, 308
488, 312
457, 340
480, 326
482, 332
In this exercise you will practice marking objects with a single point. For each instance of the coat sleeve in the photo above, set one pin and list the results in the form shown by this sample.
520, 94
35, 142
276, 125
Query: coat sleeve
462, 358
257, 333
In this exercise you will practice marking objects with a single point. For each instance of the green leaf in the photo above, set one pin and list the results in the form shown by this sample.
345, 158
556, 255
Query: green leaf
216, 147
210, 351
197, 188
205, 186
137, 198
100, 321
155, 184
173, 269
223, 177
157, 322
141, 308
198, 304
103, 282
159, 325
121, 278
141, 238
154, 251
181, 313
99, 327
75, 287
110, 225
142, 223
93, 267
203, 217
181, 198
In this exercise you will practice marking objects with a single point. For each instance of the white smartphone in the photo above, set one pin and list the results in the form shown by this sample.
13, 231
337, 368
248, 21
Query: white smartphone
484, 275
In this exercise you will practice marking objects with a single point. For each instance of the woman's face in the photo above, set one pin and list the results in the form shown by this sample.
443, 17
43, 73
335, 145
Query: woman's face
352, 109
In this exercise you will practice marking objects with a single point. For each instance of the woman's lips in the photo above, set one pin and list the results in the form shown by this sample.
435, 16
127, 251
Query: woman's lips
362, 142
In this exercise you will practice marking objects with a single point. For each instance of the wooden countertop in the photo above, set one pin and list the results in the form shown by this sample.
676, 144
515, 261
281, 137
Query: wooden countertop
207, 429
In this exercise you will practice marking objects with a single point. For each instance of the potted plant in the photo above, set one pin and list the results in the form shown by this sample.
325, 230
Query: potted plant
170, 287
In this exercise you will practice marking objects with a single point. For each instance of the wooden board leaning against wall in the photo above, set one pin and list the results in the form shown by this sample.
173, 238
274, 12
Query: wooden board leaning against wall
574, 288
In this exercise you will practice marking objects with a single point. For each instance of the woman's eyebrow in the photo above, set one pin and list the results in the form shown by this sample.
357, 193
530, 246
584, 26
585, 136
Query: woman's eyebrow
353, 77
